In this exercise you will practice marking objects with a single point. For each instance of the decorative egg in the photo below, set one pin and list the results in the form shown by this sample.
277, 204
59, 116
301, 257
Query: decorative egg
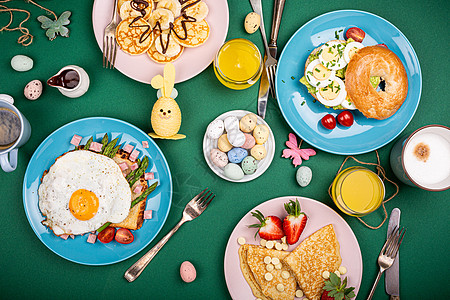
252, 22
249, 165
258, 152
248, 122
223, 144
236, 155
187, 271
249, 141
215, 129
233, 171
21, 63
261, 134
219, 158
231, 123
236, 138
173, 95
33, 90
303, 176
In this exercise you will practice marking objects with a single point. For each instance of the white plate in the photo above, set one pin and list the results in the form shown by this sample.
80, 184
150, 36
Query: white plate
319, 215
209, 144
192, 61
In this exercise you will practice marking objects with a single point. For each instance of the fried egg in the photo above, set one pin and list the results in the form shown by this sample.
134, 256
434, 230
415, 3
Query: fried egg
82, 191
331, 55
318, 75
350, 50
333, 94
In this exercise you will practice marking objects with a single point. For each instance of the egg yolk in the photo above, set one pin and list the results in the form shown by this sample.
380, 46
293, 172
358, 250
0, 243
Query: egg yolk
320, 72
331, 91
83, 204
352, 52
330, 54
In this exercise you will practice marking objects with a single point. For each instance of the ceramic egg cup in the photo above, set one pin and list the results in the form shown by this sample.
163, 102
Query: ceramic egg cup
209, 144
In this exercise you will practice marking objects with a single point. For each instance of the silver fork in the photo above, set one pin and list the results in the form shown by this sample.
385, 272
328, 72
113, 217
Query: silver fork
193, 209
109, 41
270, 62
388, 254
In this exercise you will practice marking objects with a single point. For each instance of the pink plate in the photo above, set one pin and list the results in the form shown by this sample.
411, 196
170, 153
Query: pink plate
319, 215
192, 61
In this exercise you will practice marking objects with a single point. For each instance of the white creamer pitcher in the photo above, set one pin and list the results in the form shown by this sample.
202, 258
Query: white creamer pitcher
72, 81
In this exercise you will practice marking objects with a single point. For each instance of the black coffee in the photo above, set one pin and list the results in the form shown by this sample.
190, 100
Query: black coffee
9, 127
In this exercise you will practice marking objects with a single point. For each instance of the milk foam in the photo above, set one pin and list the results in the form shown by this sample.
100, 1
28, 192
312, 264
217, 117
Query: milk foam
436, 167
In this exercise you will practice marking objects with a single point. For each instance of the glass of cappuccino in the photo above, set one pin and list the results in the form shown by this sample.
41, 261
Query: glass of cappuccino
423, 158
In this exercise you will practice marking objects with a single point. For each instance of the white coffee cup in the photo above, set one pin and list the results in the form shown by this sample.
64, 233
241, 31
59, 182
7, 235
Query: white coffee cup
8, 155
422, 159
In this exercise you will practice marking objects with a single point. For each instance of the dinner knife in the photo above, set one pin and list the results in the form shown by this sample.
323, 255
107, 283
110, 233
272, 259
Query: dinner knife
391, 278
263, 93
276, 20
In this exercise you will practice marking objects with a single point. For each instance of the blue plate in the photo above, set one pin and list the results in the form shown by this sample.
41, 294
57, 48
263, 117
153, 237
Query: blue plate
57, 143
303, 115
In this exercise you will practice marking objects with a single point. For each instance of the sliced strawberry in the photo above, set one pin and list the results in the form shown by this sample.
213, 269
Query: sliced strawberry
325, 296
270, 228
294, 222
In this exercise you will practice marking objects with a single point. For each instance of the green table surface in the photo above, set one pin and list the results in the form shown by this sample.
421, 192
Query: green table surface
29, 270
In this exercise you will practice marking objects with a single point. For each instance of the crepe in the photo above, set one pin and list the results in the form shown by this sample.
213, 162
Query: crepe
254, 270
317, 253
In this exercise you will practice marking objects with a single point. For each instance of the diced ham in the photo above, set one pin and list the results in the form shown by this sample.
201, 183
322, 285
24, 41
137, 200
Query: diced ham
145, 144
137, 189
148, 214
149, 176
134, 155
97, 147
64, 236
134, 166
91, 238
76, 139
123, 166
128, 148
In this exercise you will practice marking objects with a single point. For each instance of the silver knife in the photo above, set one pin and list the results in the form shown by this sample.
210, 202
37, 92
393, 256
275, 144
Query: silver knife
391, 278
263, 93
276, 20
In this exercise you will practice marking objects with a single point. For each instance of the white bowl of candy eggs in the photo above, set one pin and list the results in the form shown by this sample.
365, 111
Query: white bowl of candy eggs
238, 146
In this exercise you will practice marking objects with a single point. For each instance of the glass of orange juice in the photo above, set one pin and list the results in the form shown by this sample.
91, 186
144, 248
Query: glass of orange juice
357, 191
238, 65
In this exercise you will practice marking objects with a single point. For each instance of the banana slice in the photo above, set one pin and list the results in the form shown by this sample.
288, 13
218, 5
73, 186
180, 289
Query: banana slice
199, 11
127, 11
173, 5
169, 46
162, 16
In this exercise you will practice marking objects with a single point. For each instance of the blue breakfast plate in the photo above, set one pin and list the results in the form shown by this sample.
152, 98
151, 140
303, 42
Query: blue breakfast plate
303, 115
78, 250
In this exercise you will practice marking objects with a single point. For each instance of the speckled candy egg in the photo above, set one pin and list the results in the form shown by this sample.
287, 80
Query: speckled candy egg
233, 171
248, 122
258, 152
236, 138
261, 134
252, 22
33, 90
219, 158
249, 165
21, 63
223, 144
231, 123
303, 176
215, 129
187, 271
236, 155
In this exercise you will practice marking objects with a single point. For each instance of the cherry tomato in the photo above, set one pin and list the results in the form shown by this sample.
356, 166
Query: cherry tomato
106, 235
382, 45
345, 118
124, 236
355, 33
328, 121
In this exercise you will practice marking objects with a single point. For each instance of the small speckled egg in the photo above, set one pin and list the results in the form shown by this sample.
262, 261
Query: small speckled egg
33, 90
215, 129
236, 155
187, 271
261, 134
236, 138
219, 158
303, 176
21, 63
231, 123
252, 22
258, 152
249, 141
233, 171
249, 165
248, 122
223, 144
